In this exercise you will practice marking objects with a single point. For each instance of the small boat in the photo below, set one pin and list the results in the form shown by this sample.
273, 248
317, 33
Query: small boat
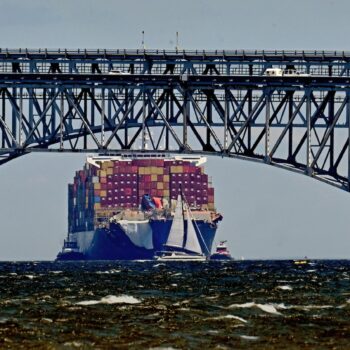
182, 245
222, 253
70, 252
304, 261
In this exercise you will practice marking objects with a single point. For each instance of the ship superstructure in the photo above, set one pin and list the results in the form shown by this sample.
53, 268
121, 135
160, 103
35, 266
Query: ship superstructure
122, 207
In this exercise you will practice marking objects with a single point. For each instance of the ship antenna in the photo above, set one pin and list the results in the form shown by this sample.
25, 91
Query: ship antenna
143, 40
177, 41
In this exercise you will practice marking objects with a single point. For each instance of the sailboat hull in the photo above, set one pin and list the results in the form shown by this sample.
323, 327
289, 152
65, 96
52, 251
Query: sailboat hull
180, 256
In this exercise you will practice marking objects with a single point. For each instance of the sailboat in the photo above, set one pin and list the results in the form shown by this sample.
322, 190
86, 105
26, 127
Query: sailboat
181, 246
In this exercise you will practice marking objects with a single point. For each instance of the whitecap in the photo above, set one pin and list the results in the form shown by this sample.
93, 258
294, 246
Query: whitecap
249, 337
13, 274
108, 271
242, 306
30, 276
311, 271
184, 309
233, 317
46, 320
285, 287
56, 272
111, 299
269, 308
311, 307
157, 265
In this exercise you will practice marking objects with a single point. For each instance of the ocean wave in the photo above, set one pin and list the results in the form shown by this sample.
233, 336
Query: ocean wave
108, 272
273, 308
30, 276
268, 308
249, 337
230, 317
286, 287
111, 299
160, 264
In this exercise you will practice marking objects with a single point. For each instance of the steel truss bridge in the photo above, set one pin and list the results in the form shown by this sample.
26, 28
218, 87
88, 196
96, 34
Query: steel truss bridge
204, 102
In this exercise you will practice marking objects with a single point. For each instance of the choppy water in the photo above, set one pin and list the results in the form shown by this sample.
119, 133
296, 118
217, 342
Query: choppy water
152, 305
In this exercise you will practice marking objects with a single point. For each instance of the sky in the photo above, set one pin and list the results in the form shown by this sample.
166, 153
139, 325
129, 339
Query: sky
268, 212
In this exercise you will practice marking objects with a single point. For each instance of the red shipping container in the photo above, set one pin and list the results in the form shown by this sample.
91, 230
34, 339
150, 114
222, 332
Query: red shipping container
128, 191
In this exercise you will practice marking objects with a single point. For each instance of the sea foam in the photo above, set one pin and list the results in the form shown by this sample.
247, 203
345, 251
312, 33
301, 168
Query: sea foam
232, 317
111, 299
269, 308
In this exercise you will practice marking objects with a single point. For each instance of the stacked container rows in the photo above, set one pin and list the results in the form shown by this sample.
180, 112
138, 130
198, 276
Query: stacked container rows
120, 184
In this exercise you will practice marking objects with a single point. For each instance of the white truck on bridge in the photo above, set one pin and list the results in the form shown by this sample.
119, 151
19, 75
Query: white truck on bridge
279, 72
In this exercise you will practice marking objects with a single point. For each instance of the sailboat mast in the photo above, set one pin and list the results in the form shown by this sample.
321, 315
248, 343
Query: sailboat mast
184, 201
183, 214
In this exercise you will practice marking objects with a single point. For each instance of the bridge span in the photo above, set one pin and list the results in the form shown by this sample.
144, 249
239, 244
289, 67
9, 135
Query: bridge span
206, 102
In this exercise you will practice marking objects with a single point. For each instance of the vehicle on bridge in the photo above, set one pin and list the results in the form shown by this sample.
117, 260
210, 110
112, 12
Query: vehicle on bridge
279, 72
118, 72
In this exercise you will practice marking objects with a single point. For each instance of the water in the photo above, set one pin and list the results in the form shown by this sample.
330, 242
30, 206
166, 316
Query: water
152, 305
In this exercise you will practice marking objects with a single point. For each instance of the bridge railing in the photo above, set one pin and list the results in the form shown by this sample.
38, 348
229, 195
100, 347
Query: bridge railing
322, 54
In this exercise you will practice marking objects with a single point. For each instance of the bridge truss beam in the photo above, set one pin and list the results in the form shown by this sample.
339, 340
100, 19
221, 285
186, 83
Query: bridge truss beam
200, 62
297, 123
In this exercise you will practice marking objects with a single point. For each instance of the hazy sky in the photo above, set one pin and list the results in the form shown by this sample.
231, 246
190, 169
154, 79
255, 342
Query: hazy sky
268, 212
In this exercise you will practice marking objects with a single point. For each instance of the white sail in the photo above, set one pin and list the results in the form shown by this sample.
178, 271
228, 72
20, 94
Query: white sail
177, 230
192, 243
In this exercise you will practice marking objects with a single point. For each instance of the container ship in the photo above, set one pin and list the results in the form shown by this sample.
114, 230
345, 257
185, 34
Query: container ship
122, 207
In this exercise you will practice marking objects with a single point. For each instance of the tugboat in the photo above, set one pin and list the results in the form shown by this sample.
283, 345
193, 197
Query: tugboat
222, 252
70, 252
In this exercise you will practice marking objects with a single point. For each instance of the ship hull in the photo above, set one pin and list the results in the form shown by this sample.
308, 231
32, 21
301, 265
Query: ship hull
221, 257
141, 242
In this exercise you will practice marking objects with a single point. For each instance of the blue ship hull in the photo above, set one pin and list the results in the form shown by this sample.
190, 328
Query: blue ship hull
114, 244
